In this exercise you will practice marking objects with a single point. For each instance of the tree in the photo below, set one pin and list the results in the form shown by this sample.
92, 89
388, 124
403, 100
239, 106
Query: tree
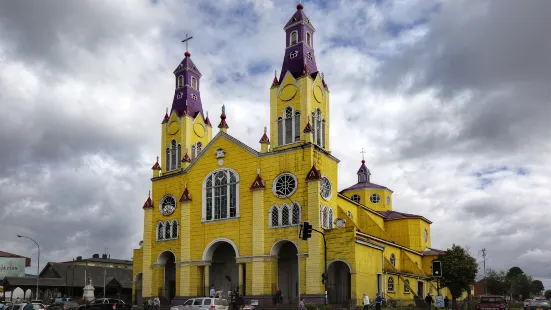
547, 294
514, 272
496, 282
537, 287
521, 286
458, 271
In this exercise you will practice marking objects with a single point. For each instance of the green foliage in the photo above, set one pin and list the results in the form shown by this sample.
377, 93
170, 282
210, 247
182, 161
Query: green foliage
459, 269
537, 287
325, 307
514, 272
547, 294
310, 307
496, 282
521, 286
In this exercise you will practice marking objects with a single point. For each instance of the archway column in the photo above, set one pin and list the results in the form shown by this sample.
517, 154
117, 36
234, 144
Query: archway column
314, 262
258, 266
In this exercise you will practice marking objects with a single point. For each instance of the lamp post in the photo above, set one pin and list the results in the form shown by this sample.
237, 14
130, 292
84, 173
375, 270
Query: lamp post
37, 264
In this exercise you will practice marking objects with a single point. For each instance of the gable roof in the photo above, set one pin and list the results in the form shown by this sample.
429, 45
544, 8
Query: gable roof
7, 254
122, 275
395, 215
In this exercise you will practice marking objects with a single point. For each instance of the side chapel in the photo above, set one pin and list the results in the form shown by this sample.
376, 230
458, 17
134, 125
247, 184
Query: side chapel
222, 214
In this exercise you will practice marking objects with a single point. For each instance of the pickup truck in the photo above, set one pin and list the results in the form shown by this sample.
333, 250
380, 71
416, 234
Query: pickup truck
492, 303
105, 304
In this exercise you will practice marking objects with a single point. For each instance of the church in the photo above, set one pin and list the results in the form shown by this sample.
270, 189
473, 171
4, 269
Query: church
225, 215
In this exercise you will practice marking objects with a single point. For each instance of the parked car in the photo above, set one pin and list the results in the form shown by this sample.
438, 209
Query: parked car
526, 303
105, 304
64, 305
492, 303
205, 303
539, 304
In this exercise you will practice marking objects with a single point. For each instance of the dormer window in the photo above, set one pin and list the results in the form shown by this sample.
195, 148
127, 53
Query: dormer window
308, 39
180, 95
294, 38
181, 81
193, 83
293, 54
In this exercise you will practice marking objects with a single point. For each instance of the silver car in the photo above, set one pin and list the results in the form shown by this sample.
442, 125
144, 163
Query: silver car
203, 303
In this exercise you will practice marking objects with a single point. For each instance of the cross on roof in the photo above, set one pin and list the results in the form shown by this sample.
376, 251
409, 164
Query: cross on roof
362, 152
157, 158
187, 41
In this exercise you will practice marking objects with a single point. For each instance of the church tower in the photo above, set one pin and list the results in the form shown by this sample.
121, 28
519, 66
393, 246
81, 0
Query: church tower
299, 99
185, 129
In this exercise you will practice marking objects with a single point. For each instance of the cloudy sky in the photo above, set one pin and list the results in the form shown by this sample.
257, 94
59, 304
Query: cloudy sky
450, 99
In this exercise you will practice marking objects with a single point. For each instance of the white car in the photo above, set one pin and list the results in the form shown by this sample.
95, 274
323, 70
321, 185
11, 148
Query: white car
526, 303
204, 303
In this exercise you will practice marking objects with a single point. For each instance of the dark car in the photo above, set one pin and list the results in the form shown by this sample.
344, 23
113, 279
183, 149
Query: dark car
539, 304
492, 303
64, 305
106, 304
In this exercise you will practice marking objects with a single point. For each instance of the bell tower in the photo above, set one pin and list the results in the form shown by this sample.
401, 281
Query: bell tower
185, 129
299, 99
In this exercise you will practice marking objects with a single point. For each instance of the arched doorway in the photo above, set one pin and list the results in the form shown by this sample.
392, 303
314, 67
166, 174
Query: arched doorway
224, 271
139, 283
168, 260
338, 283
287, 270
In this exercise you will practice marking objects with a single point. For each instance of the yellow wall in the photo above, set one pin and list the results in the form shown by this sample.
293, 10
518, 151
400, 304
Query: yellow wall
365, 193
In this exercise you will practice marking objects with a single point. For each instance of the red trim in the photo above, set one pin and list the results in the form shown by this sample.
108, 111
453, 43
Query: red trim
275, 82
258, 183
186, 158
156, 166
148, 204
308, 128
265, 139
313, 174
186, 196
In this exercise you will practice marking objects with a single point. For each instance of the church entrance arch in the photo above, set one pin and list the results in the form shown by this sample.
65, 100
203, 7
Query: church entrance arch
168, 260
338, 282
287, 270
224, 271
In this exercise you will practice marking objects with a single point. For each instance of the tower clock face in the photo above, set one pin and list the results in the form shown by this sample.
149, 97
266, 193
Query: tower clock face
168, 205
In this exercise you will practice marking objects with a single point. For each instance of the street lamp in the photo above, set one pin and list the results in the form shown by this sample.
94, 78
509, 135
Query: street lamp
37, 264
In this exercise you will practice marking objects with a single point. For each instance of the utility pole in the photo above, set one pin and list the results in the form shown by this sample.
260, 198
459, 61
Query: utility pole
484, 264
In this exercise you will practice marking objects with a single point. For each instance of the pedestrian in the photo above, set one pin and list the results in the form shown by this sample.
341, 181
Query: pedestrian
149, 303
366, 302
278, 296
378, 302
446, 302
28, 306
428, 300
157, 303
1, 304
301, 304
212, 291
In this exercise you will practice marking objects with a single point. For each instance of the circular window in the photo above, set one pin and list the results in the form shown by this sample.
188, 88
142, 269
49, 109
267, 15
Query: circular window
284, 185
375, 198
426, 236
388, 200
325, 188
168, 205
355, 198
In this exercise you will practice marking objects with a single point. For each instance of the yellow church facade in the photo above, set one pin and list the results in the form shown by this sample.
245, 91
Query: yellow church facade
227, 216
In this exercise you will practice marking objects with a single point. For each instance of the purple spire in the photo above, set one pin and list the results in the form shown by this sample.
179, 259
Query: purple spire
187, 96
299, 51
363, 173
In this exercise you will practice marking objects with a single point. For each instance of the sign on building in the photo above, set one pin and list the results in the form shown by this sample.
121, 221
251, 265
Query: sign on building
12, 267
439, 301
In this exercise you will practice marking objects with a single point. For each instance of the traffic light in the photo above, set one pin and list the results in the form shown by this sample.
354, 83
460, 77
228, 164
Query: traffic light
436, 269
324, 278
306, 231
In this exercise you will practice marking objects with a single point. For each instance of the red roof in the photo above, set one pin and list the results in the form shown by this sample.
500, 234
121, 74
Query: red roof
7, 254
395, 215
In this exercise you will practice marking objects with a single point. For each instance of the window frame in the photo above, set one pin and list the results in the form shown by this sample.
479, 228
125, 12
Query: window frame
194, 83
308, 39
180, 82
392, 260
279, 211
274, 185
294, 32
354, 196
228, 206
390, 282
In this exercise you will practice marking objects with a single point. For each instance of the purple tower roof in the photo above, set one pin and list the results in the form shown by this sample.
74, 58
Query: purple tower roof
187, 95
299, 51
364, 180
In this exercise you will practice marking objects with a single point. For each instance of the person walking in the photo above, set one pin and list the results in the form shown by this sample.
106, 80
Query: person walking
28, 306
428, 301
366, 302
278, 296
446, 302
212, 291
301, 304
378, 302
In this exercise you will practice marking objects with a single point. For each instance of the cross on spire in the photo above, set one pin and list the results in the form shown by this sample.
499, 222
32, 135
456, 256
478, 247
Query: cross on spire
187, 42
363, 153
157, 158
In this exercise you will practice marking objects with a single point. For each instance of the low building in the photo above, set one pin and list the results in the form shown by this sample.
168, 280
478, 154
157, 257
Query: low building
110, 277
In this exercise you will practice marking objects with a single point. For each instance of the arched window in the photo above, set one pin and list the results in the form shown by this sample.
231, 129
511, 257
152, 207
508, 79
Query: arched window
193, 83
285, 216
393, 260
406, 286
294, 38
318, 127
174, 229
297, 126
192, 152
274, 221
160, 231
168, 230
280, 131
325, 218
356, 198
181, 81
288, 125
179, 156
296, 214
330, 219
308, 39
322, 134
390, 284
173, 154
220, 195
167, 166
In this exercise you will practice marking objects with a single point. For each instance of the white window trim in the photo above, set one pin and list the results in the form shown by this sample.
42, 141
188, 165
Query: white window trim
356, 195
291, 38
308, 36
293, 132
331, 218
330, 184
275, 182
163, 199
193, 79
406, 287
164, 224
280, 215
204, 196
180, 85
169, 156
315, 116
393, 285
390, 259
372, 195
